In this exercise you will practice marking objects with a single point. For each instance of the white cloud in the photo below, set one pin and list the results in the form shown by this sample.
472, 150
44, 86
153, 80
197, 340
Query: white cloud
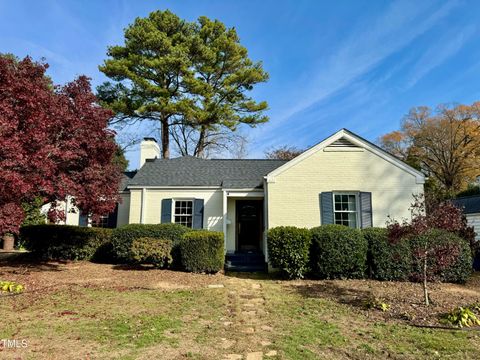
437, 54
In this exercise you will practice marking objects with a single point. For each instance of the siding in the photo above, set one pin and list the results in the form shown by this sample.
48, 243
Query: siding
293, 197
212, 216
474, 220
135, 206
71, 218
213, 207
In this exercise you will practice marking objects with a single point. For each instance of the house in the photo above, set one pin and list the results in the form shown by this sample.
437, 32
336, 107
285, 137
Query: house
471, 209
344, 179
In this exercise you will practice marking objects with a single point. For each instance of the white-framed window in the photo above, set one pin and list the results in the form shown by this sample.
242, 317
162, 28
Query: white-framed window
345, 209
102, 222
182, 212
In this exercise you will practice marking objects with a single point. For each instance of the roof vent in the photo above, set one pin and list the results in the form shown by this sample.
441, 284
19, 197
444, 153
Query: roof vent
343, 143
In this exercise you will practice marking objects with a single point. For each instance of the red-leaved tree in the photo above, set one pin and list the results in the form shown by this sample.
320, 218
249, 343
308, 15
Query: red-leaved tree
54, 142
432, 249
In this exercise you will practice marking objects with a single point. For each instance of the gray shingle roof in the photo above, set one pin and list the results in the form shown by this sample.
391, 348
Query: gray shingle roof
470, 204
126, 177
192, 171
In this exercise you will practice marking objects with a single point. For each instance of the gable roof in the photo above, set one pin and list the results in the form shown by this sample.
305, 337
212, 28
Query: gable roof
469, 204
350, 141
126, 177
192, 171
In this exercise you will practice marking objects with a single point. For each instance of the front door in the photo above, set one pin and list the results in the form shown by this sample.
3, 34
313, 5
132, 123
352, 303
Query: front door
249, 224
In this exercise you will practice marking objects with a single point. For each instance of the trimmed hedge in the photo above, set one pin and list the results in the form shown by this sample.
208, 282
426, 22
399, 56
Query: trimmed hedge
387, 260
202, 251
66, 242
123, 237
153, 251
338, 252
459, 271
288, 250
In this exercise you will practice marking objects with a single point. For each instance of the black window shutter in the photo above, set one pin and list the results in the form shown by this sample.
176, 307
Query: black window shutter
112, 218
326, 206
166, 211
197, 214
366, 210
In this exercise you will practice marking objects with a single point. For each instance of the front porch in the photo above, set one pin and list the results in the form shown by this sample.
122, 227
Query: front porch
244, 229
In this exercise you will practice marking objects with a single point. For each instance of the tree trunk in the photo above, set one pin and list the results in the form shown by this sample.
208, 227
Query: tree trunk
425, 290
165, 140
200, 148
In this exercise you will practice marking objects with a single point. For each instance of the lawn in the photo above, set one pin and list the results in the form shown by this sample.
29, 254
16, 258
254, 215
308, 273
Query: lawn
80, 310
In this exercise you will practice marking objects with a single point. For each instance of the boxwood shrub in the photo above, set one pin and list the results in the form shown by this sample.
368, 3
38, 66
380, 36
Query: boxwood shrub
338, 252
288, 250
387, 260
202, 251
123, 237
147, 250
458, 271
66, 242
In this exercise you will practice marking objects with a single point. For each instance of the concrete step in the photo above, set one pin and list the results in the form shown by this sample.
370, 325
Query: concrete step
245, 262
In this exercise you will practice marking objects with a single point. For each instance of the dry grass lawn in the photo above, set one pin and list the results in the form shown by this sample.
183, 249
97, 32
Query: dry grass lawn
80, 310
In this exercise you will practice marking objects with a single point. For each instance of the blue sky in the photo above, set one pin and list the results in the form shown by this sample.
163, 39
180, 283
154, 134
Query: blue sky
355, 64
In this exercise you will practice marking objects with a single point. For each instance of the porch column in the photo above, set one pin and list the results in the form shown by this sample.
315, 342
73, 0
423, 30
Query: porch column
143, 206
225, 221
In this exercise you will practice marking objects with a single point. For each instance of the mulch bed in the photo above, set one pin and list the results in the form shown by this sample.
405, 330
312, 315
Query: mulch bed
404, 298
55, 275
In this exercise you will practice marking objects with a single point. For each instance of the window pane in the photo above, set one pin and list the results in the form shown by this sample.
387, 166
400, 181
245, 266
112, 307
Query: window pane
352, 220
352, 204
183, 212
345, 209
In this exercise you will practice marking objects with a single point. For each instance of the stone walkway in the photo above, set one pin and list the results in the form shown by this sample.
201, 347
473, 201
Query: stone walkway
246, 322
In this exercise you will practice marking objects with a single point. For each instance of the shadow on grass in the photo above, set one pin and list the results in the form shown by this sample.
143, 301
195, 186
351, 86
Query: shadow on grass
332, 290
23, 261
136, 267
260, 275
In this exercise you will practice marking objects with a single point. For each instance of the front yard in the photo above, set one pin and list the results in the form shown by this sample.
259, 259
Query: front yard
81, 310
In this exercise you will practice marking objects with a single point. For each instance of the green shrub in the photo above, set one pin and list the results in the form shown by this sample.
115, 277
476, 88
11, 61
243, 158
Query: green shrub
123, 237
387, 260
65, 242
338, 251
440, 265
202, 251
288, 250
153, 251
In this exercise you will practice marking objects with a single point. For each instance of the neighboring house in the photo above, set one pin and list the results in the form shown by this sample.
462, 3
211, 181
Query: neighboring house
471, 209
74, 216
343, 180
